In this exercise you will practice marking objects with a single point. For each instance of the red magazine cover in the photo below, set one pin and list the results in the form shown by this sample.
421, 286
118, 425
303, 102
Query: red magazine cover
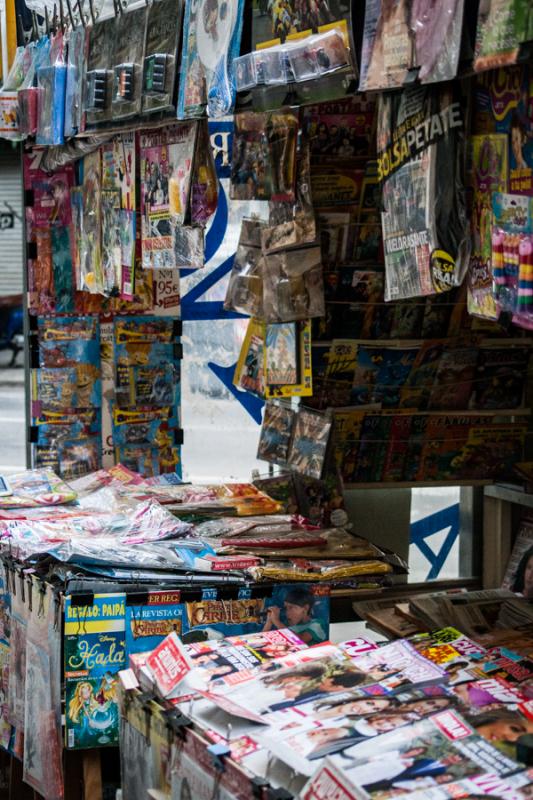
169, 664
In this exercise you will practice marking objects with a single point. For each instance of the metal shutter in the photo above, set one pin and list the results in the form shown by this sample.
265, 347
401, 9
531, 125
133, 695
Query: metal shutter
11, 246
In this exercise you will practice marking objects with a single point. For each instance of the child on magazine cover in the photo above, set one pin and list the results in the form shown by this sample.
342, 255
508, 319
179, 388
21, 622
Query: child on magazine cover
298, 606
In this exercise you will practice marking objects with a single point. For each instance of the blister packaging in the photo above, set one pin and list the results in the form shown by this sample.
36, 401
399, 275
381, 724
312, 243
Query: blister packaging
128, 64
99, 75
163, 28
77, 53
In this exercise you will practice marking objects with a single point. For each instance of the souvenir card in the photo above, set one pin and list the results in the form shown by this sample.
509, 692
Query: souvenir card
211, 41
307, 453
163, 28
276, 433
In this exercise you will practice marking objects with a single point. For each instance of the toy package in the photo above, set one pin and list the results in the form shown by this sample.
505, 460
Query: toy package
490, 173
309, 443
420, 155
502, 26
276, 433
9, 111
293, 285
99, 76
512, 255
211, 41
77, 53
37, 56
118, 215
127, 60
166, 163
68, 443
163, 28
263, 165
245, 287
90, 277
51, 85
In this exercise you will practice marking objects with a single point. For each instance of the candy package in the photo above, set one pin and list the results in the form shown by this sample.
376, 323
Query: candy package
211, 41
245, 287
127, 63
163, 28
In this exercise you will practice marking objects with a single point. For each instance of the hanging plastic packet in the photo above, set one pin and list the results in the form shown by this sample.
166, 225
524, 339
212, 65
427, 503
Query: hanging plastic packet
309, 443
52, 83
163, 28
89, 205
99, 76
9, 107
211, 41
436, 30
118, 215
189, 247
153, 426
77, 53
166, 159
512, 256
204, 188
245, 287
250, 368
68, 443
128, 63
36, 57
292, 224
276, 433
263, 164
293, 285
420, 156
502, 26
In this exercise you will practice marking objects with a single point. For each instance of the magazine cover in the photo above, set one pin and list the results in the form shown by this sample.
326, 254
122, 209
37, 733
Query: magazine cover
500, 378
501, 28
426, 237
454, 379
519, 571
307, 452
166, 158
276, 432
211, 41
303, 386
94, 652
387, 52
148, 624
442, 745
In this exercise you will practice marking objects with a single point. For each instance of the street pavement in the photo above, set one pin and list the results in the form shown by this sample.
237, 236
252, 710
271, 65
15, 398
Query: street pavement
12, 420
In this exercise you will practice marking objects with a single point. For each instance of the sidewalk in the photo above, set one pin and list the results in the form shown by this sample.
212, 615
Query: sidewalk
11, 376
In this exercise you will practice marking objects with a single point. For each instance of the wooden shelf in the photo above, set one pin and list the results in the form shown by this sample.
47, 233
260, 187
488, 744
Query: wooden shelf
509, 494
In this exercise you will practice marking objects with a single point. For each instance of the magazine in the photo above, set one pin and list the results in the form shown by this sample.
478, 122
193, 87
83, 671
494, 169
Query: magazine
307, 452
419, 755
281, 354
518, 572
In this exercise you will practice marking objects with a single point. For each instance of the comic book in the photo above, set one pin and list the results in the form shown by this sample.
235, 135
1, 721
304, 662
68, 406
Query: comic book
308, 448
94, 653
281, 366
211, 41
491, 451
347, 432
250, 368
454, 379
407, 320
303, 385
333, 184
398, 448
276, 433
251, 168
373, 447
417, 389
500, 378
415, 449
380, 375
166, 158
444, 440
514, 577
342, 128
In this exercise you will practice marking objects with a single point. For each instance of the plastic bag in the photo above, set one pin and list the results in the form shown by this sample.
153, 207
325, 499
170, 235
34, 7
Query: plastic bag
163, 30
293, 285
77, 52
245, 287
127, 62
51, 84
36, 56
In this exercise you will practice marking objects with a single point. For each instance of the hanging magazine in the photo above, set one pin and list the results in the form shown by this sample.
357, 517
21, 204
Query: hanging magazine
309, 445
420, 166
276, 434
